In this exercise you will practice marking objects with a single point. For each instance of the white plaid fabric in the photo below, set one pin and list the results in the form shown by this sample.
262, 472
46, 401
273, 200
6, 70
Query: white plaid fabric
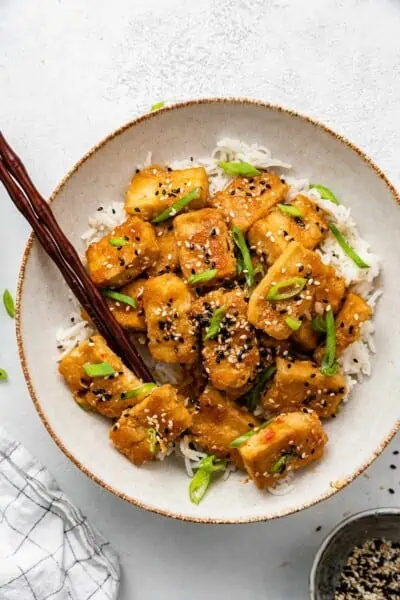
48, 550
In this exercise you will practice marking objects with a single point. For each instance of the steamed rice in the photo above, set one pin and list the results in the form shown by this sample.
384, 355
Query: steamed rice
355, 360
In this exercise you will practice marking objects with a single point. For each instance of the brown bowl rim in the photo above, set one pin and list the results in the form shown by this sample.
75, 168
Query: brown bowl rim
21, 278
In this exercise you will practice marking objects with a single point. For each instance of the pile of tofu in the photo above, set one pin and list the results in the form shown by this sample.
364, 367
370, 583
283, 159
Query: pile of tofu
154, 264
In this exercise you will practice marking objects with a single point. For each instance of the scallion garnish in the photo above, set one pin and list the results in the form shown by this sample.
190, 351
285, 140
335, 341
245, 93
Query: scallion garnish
146, 388
324, 192
157, 106
347, 249
203, 277
318, 324
3, 375
286, 289
215, 322
293, 211
293, 323
9, 303
177, 206
152, 433
252, 397
99, 370
243, 169
246, 262
280, 464
202, 478
243, 438
118, 242
329, 365
120, 297
259, 269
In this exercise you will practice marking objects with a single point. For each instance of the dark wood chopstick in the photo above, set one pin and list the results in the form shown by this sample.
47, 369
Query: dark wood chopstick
38, 213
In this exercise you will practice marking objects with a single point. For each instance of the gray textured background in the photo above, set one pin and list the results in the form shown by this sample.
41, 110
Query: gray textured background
70, 72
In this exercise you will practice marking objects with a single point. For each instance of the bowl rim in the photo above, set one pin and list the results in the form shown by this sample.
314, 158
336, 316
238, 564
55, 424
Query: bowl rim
336, 531
20, 289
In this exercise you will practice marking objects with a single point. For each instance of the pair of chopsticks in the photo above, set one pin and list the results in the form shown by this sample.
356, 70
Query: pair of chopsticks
37, 212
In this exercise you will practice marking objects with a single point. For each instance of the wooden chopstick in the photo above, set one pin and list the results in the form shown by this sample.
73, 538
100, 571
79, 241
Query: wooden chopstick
38, 213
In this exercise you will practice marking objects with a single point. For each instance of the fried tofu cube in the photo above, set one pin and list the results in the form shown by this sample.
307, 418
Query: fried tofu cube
289, 442
271, 235
269, 316
231, 357
128, 317
111, 265
204, 243
167, 302
148, 428
105, 395
329, 287
300, 383
247, 199
168, 260
349, 319
154, 189
217, 422
305, 337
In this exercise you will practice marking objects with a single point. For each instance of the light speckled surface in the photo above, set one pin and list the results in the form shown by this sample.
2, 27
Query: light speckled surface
73, 71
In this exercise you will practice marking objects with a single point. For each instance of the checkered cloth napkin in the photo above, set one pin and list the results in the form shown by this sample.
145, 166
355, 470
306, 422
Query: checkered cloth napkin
48, 550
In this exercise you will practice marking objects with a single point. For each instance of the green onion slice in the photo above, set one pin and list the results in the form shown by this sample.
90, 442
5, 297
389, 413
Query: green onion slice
347, 249
293, 323
157, 106
203, 277
328, 364
120, 297
286, 289
242, 169
324, 192
9, 303
252, 397
293, 211
243, 438
99, 370
177, 206
318, 324
280, 464
83, 405
246, 263
201, 480
152, 433
118, 242
215, 322
3, 375
146, 388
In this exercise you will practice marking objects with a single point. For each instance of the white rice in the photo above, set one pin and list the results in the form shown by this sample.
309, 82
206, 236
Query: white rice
355, 360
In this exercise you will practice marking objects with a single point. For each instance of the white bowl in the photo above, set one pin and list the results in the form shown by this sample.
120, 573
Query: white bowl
369, 419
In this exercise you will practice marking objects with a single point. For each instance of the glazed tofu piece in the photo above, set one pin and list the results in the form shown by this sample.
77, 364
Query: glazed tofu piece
271, 235
247, 199
305, 337
167, 302
204, 243
105, 395
154, 189
329, 287
300, 383
128, 317
349, 319
289, 442
149, 427
269, 316
113, 265
168, 260
217, 422
231, 357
